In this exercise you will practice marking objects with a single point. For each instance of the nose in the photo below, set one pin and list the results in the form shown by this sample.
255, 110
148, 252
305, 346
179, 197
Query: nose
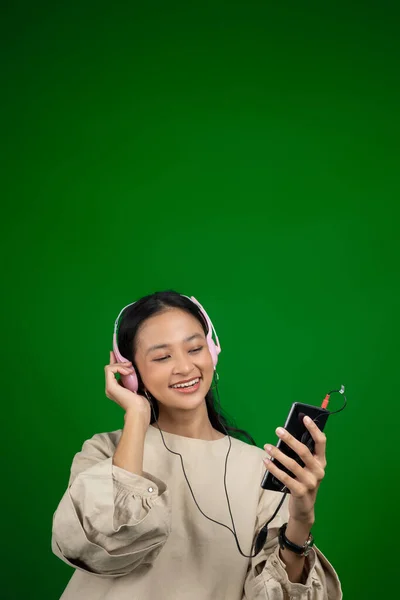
183, 364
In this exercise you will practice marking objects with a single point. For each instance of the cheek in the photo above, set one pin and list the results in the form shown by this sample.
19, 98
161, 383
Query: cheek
206, 365
159, 376
149, 374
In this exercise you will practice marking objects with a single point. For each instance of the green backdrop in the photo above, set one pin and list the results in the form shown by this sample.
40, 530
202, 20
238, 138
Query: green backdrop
243, 152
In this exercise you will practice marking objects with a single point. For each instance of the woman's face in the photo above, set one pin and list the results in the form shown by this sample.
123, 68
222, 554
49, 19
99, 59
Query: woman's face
171, 348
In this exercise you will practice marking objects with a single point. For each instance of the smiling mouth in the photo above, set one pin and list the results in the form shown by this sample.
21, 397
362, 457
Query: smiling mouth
189, 385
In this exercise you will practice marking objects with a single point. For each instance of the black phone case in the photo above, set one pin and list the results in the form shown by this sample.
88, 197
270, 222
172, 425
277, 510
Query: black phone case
294, 425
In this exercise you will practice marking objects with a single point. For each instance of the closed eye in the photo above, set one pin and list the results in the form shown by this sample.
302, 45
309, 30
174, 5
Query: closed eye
163, 358
197, 349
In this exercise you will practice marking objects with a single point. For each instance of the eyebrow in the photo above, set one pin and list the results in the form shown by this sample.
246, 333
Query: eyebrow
160, 346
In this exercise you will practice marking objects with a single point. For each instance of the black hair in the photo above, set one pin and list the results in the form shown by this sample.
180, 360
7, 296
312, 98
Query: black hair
132, 319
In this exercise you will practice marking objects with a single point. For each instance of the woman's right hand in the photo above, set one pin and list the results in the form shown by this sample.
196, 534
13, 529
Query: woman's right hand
132, 403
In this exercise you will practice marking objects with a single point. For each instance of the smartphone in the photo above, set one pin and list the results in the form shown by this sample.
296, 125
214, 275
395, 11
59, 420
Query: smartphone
294, 425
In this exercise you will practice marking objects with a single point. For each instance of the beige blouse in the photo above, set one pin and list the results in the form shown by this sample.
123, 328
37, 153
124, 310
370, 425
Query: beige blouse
143, 538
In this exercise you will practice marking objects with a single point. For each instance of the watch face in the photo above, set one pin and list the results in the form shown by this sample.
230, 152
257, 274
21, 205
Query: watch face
308, 545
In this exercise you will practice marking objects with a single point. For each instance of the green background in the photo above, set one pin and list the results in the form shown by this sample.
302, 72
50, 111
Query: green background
244, 153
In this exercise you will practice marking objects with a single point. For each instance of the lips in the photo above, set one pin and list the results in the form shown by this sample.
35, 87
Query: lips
188, 389
185, 381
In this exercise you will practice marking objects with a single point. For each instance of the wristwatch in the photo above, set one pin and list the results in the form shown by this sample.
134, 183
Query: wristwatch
301, 550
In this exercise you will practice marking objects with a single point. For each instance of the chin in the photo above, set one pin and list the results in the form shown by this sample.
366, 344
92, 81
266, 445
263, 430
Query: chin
181, 400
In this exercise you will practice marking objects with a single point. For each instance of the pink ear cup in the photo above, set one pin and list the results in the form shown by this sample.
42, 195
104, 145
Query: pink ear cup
215, 348
128, 381
213, 351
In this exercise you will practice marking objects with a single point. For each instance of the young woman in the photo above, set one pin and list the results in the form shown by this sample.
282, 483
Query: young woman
169, 507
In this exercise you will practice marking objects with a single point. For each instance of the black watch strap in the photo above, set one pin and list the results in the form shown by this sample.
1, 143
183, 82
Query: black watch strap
285, 543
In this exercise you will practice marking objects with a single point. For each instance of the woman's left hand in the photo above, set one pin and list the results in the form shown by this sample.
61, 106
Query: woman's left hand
304, 488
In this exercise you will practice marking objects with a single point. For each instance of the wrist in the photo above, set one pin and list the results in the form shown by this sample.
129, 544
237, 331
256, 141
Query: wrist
298, 531
304, 522
133, 418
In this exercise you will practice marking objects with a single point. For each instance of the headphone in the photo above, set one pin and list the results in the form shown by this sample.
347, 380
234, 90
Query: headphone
131, 383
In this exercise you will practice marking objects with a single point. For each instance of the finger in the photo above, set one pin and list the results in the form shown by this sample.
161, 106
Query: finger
309, 475
285, 460
112, 370
119, 368
296, 487
300, 449
117, 365
319, 438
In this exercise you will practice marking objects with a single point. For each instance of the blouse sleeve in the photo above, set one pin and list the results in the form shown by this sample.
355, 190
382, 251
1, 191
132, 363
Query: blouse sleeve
109, 520
267, 578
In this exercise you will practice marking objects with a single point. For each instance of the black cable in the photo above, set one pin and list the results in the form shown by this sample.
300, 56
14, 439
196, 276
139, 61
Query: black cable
233, 531
341, 391
263, 533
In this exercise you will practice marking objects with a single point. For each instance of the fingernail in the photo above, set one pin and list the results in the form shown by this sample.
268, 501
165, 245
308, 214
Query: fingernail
307, 420
280, 431
268, 448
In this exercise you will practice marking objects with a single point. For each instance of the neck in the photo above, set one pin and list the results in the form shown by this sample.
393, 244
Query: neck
191, 424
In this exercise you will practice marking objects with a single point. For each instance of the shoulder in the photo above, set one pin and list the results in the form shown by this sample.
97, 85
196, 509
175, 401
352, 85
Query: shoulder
102, 443
98, 448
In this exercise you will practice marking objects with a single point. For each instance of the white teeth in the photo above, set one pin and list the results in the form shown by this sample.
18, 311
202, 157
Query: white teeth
188, 384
